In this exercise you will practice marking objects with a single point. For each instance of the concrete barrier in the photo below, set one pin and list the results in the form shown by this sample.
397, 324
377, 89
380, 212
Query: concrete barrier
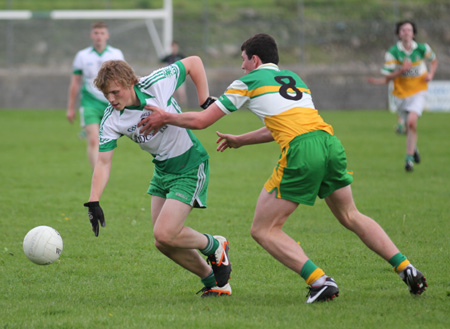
331, 90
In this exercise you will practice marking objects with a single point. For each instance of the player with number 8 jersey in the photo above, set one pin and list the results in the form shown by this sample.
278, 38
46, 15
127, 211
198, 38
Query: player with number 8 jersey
283, 102
312, 163
279, 98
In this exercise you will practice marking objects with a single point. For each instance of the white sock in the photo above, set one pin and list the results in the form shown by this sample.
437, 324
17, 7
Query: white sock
319, 282
402, 273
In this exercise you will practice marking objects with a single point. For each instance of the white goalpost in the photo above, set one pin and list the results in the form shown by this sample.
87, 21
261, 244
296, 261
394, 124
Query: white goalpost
161, 43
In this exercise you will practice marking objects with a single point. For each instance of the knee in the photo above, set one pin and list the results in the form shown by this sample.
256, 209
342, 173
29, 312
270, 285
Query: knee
93, 141
158, 245
411, 125
349, 219
163, 239
254, 232
258, 234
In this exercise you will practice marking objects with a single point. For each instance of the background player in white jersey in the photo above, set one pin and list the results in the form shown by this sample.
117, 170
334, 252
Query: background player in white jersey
312, 163
86, 64
406, 65
181, 174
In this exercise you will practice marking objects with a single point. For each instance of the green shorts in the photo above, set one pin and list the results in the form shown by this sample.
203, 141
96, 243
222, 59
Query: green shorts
91, 111
314, 164
91, 115
190, 188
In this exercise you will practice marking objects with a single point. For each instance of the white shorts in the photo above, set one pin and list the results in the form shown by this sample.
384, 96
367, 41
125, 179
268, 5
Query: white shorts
415, 103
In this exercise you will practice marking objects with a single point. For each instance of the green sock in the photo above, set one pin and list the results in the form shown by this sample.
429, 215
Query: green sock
210, 280
397, 259
310, 272
409, 158
399, 262
211, 247
307, 269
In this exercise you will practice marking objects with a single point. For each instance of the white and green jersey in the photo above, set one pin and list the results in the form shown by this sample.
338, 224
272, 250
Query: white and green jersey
175, 149
410, 82
279, 98
87, 63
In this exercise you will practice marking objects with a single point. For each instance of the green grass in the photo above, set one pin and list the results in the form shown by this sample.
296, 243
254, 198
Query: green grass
120, 280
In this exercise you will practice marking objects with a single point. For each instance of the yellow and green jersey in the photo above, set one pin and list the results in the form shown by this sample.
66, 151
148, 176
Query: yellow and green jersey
279, 98
412, 81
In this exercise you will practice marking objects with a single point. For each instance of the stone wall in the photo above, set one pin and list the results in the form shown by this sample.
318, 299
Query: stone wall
331, 90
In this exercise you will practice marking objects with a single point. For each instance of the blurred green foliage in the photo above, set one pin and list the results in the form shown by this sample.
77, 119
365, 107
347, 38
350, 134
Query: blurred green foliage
314, 9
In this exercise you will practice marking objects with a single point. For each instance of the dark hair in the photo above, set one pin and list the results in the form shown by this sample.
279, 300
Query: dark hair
263, 46
400, 24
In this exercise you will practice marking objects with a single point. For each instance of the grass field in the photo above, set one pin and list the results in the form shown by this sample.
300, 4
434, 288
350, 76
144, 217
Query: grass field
120, 280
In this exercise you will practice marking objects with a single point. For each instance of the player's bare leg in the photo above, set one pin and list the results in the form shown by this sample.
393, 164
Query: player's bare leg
370, 232
412, 154
270, 215
92, 142
176, 241
411, 134
343, 207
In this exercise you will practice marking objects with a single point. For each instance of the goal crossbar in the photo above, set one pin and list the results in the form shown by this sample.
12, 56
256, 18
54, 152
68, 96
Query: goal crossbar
84, 14
162, 45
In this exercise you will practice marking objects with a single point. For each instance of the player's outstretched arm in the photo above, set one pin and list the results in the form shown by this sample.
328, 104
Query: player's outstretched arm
190, 120
377, 81
262, 135
100, 176
99, 180
74, 90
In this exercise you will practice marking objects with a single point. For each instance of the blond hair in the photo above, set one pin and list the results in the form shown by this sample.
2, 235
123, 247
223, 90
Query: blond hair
118, 71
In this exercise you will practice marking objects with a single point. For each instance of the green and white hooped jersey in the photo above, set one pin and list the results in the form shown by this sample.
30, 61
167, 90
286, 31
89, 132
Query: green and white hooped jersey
175, 149
87, 63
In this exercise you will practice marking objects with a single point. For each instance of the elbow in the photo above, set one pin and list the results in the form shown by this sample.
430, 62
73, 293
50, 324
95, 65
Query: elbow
197, 59
199, 122
199, 125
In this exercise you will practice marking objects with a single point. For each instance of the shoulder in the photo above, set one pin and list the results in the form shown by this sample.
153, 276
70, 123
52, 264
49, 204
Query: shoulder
393, 53
394, 49
114, 53
114, 49
85, 51
146, 83
423, 46
108, 114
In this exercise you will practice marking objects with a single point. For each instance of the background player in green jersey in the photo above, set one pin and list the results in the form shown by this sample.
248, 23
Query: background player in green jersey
406, 65
312, 163
86, 64
181, 174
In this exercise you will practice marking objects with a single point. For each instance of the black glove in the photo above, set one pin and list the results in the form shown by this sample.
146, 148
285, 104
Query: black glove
95, 215
208, 102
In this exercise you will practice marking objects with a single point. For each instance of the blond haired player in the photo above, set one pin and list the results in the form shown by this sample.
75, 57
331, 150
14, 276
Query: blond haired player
181, 168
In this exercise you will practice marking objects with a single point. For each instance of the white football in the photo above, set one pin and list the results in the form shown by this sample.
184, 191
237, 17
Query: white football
43, 245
